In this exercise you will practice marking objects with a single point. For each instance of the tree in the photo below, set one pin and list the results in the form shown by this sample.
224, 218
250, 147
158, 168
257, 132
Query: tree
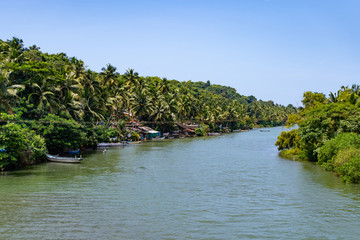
42, 95
60, 134
311, 99
288, 140
8, 92
109, 75
22, 146
141, 104
131, 78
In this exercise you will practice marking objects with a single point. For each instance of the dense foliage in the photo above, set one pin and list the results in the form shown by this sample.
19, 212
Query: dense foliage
328, 132
20, 146
72, 106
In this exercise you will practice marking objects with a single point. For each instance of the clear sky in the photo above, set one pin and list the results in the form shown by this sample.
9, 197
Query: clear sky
272, 49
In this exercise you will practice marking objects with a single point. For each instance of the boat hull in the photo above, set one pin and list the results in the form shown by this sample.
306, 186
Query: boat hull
158, 139
135, 142
214, 134
111, 144
53, 158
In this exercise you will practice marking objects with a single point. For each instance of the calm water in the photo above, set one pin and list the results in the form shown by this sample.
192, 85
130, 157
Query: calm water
229, 187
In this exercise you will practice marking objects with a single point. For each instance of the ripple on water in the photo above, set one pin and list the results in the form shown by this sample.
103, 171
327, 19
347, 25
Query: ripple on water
229, 187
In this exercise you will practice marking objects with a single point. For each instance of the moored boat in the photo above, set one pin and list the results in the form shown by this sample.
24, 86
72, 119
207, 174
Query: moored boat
112, 144
133, 142
214, 134
158, 139
53, 158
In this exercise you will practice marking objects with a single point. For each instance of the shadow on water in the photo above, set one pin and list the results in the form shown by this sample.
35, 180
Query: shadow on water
328, 179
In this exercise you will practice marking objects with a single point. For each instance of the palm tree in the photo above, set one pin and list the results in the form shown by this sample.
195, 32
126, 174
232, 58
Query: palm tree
8, 92
91, 106
69, 85
131, 78
42, 95
355, 88
141, 104
77, 68
91, 81
170, 100
12, 50
333, 97
109, 75
160, 110
163, 86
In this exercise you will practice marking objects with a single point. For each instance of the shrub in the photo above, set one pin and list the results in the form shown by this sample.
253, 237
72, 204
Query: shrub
23, 147
331, 148
135, 136
288, 140
61, 134
199, 132
202, 131
91, 139
347, 165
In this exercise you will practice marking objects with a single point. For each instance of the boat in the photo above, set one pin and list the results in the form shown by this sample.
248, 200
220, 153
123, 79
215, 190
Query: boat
158, 139
214, 134
264, 130
133, 142
53, 158
77, 151
112, 144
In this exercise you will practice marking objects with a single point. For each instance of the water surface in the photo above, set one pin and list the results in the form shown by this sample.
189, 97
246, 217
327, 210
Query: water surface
229, 187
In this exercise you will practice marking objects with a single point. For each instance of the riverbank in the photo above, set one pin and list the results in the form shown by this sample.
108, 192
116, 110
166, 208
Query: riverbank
23, 147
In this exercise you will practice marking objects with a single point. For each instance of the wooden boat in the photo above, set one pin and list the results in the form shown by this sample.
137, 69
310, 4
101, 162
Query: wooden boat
214, 134
264, 130
133, 142
53, 158
158, 139
112, 144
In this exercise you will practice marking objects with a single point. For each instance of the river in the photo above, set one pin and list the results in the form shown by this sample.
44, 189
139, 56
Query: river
233, 186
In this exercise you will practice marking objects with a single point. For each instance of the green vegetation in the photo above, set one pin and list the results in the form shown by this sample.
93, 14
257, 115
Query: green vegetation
202, 130
56, 97
328, 132
135, 136
23, 146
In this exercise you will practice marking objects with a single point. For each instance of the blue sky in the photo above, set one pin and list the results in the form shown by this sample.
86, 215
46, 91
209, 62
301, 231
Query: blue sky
272, 49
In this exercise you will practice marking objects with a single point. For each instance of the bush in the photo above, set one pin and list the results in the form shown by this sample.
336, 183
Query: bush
91, 139
135, 136
61, 134
288, 140
23, 147
199, 132
347, 165
331, 148
202, 131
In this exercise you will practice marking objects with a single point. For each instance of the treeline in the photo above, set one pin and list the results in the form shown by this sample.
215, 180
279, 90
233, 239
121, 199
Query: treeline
328, 132
48, 93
